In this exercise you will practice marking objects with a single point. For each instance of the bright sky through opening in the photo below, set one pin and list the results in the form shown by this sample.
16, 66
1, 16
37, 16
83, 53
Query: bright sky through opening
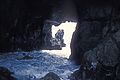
69, 28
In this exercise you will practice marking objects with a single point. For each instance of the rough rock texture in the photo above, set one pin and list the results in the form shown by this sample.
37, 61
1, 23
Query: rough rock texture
107, 53
97, 29
21, 23
95, 43
51, 76
5, 74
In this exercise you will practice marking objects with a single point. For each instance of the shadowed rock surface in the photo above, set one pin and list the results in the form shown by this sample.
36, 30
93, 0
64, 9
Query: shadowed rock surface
51, 76
5, 74
22, 22
95, 43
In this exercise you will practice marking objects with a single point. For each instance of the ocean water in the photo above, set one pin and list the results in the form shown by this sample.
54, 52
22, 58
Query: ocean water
38, 65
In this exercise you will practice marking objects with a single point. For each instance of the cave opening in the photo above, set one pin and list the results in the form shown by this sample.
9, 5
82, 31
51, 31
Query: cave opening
62, 23
68, 29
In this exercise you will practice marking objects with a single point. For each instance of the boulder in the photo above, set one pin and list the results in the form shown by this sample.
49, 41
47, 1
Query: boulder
51, 76
5, 74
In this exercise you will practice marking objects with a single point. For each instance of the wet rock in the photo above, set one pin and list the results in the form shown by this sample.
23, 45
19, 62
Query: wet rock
51, 76
5, 74
101, 72
77, 75
25, 57
83, 74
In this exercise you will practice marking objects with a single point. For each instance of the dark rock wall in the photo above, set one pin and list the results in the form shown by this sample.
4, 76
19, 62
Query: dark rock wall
21, 23
96, 27
96, 41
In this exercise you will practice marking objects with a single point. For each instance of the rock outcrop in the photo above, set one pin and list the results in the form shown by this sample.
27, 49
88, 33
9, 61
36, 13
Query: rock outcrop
5, 74
51, 76
22, 22
95, 43
97, 32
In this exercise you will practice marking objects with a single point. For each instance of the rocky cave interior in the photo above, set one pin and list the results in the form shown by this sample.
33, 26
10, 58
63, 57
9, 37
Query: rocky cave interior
26, 26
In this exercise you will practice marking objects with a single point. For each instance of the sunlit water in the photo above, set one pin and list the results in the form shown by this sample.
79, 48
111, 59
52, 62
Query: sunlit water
39, 66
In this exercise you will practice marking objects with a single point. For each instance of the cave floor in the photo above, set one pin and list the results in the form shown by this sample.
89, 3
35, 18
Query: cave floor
36, 64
